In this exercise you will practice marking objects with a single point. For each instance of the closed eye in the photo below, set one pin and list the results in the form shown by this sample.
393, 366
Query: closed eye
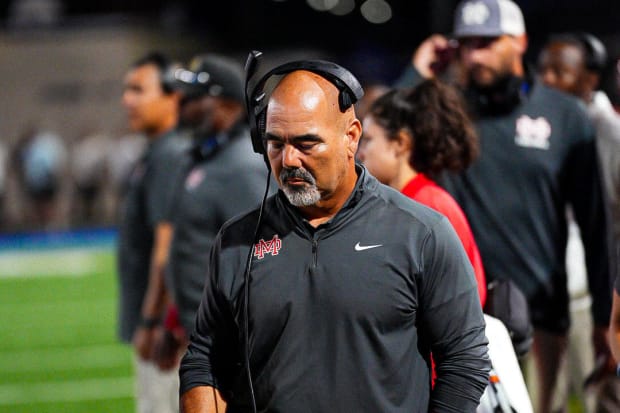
305, 146
303, 143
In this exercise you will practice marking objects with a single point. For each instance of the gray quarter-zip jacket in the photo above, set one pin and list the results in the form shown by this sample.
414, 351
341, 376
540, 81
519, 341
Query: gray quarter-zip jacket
342, 317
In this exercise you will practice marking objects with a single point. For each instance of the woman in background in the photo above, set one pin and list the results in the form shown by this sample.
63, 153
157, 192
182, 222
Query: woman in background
410, 136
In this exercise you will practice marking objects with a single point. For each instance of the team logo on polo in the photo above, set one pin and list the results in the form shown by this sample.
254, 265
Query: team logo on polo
533, 133
195, 177
263, 247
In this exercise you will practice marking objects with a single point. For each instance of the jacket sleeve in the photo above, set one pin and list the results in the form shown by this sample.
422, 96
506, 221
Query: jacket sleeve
212, 344
410, 77
585, 193
453, 322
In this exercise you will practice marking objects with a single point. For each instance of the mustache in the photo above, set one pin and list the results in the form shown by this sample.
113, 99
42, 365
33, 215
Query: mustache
296, 173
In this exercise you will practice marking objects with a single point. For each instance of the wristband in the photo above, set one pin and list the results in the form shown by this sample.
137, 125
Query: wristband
618, 370
149, 322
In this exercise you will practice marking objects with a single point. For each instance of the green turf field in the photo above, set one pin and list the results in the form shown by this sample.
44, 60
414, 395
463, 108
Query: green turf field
58, 348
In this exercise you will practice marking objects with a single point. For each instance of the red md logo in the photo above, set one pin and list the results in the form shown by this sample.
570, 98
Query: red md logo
267, 247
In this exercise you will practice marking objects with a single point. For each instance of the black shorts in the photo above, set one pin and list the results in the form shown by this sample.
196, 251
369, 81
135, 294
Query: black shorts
549, 307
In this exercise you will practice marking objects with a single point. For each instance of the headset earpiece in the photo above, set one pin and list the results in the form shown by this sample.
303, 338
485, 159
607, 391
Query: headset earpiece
254, 103
596, 53
344, 100
261, 125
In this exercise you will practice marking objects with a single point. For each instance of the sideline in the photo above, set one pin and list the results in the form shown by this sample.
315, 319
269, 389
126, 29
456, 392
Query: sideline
76, 262
57, 253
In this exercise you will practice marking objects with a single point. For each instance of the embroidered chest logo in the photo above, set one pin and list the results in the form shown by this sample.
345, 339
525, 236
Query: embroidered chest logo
263, 247
359, 247
195, 177
533, 133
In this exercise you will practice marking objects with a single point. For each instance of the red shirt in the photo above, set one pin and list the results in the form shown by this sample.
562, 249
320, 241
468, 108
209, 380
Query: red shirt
427, 192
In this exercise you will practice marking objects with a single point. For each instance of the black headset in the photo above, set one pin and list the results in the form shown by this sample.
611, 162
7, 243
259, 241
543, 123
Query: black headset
170, 77
507, 95
255, 97
595, 52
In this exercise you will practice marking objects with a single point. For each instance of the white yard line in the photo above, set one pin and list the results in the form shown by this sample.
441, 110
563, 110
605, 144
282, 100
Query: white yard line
63, 359
74, 262
66, 391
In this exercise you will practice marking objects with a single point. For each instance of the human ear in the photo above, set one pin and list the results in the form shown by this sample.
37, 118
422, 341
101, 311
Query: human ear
520, 44
353, 134
403, 142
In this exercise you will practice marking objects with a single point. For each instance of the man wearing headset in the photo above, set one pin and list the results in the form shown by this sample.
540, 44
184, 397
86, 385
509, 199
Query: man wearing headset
145, 230
574, 63
223, 178
537, 156
350, 285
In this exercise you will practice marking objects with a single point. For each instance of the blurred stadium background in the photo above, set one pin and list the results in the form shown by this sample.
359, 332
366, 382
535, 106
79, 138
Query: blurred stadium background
62, 64
61, 69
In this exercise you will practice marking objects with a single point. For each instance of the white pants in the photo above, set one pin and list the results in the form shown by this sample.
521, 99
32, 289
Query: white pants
157, 391
578, 361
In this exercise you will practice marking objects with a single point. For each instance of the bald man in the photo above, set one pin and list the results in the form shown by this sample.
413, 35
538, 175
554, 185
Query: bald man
352, 285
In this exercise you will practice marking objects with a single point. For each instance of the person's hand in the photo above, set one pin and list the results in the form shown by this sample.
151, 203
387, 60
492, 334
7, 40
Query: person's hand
600, 341
605, 364
143, 340
430, 54
167, 348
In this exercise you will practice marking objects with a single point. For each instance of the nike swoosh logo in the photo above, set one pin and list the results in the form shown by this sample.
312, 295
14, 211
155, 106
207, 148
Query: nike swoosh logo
359, 247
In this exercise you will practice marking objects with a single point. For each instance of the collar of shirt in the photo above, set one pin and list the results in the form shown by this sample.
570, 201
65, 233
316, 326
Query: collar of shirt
365, 182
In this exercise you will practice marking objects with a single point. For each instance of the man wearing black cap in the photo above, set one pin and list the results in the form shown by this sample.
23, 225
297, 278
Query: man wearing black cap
537, 156
224, 176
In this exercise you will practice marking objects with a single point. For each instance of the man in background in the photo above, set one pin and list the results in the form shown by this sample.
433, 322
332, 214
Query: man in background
145, 230
537, 155
223, 176
574, 63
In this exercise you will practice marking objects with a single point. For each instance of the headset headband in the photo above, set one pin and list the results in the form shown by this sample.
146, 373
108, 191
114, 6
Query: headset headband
350, 90
596, 54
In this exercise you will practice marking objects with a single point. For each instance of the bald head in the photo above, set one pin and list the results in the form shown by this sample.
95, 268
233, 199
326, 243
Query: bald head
311, 144
308, 92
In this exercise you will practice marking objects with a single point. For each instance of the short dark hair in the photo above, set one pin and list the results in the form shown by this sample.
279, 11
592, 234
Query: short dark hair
444, 136
163, 65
